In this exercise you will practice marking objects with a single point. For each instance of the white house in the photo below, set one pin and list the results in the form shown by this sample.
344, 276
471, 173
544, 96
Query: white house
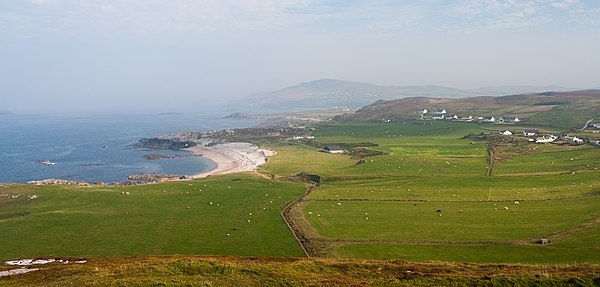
573, 139
530, 133
546, 139
439, 111
452, 117
438, 117
333, 149
506, 133
508, 120
489, 119
423, 111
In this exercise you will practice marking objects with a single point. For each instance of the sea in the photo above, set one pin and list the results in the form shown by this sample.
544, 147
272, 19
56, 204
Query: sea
96, 148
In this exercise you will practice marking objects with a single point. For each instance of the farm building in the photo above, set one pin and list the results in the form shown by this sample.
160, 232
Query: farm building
508, 120
506, 133
489, 119
573, 139
333, 149
530, 133
439, 111
546, 139
452, 117
422, 111
438, 117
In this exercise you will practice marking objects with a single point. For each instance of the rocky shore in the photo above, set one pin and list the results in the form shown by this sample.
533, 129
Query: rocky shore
58, 181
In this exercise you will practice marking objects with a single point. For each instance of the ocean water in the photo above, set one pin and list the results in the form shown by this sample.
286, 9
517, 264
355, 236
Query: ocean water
96, 147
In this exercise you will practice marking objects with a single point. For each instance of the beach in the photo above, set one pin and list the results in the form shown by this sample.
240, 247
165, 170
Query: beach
231, 157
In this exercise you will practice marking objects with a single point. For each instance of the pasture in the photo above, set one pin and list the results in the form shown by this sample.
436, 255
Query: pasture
385, 207
429, 197
190, 217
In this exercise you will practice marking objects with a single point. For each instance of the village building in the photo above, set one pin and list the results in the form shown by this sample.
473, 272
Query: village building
506, 133
439, 111
333, 149
452, 117
438, 117
508, 120
489, 120
573, 139
530, 133
546, 139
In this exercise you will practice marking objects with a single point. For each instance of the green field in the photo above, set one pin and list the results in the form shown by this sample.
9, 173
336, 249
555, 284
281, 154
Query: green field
168, 218
382, 206
386, 206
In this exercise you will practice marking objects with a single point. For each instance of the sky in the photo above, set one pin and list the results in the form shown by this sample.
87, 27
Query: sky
181, 55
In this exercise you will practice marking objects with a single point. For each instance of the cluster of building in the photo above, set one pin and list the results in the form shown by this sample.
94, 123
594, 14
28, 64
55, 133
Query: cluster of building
442, 114
544, 138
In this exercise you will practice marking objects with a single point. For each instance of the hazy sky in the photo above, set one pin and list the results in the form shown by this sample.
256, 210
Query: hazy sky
169, 55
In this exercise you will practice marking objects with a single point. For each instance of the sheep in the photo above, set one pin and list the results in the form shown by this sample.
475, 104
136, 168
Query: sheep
461, 211
506, 208
516, 202
438, 211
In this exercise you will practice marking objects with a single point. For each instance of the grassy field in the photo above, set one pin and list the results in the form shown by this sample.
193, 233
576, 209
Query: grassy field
376, 207
386, 206
196, 217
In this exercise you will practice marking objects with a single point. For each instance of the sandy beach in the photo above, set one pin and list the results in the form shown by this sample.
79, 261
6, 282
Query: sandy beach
232, 157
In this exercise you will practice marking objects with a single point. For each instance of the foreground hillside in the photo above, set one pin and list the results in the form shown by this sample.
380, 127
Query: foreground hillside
552, 109
268, 271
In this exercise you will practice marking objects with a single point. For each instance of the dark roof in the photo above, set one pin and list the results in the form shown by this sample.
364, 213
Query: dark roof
509, 118
530, 131
333, 147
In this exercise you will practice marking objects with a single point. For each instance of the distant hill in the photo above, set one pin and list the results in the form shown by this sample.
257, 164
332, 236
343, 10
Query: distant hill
553, 109
328, 93
513, 90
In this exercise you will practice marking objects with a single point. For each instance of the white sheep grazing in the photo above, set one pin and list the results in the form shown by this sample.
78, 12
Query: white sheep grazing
516, 202
506, 208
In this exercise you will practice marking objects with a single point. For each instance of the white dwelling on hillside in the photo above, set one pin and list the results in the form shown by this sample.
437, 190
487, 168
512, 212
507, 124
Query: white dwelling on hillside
440, 112
573, 139
530, 133
506, 133
508, 120
546, 139
333, 149
489, 120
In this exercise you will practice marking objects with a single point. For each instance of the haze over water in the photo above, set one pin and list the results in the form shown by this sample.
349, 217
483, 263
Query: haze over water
96, 148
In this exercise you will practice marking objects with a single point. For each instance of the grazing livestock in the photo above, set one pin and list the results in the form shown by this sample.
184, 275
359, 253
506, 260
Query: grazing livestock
461, 211
506, 208
438, 211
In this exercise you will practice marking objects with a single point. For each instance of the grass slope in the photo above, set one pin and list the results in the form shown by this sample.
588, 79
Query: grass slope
386, 206
170, 218
234, 271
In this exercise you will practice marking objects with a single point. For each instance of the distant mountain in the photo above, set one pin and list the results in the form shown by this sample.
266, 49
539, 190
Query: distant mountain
328, 93
552, 109
513, 90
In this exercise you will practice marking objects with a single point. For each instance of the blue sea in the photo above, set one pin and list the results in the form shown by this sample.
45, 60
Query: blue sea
97, 147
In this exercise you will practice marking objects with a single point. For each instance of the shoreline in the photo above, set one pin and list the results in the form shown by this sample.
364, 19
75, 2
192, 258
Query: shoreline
231, 157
